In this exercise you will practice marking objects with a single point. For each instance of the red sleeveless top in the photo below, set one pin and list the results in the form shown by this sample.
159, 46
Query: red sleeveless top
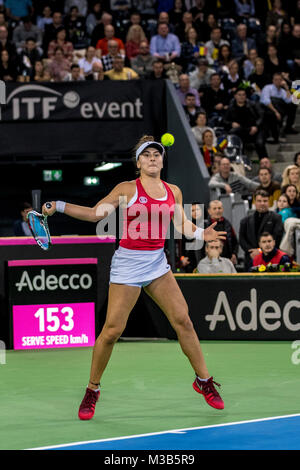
146, 222
258, 259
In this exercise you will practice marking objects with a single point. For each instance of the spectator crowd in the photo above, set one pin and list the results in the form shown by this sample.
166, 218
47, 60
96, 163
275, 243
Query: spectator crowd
233, 64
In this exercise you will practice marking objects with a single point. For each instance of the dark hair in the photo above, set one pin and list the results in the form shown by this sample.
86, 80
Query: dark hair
25, 205
30, 39
262, 193
189, 94
296, 156
265, 168
284, 188
75, 66
287, 197
265, 234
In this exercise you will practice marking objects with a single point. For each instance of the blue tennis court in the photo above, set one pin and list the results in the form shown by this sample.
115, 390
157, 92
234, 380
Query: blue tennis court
279, 433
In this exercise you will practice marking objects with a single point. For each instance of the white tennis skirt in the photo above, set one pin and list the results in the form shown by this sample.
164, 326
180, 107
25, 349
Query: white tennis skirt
137, 267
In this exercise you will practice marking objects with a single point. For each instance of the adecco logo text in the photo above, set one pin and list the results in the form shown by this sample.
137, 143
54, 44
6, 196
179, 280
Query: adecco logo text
42, 282
269, 315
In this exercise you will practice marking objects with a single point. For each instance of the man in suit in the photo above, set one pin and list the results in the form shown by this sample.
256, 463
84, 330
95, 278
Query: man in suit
241, 45
252, 226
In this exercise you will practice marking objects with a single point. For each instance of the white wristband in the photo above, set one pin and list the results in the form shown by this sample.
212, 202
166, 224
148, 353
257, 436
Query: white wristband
198, 234
60, 206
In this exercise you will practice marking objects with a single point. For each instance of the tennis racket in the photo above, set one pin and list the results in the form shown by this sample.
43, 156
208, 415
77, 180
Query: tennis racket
38, 226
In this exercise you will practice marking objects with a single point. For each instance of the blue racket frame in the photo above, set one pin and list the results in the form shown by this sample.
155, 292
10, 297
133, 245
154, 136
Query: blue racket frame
38, 226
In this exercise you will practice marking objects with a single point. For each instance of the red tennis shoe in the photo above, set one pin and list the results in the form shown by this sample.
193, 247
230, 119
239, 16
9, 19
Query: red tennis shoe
207, 389
88, 404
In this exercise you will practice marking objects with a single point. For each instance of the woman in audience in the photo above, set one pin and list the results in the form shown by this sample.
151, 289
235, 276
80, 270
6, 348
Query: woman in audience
200, 127
224, 59
293, 194
86, 64
175, 14
66, 46
40, 72
273, 63
233, 79
190, 51
59, 66
291, 175
208, 148
249, 64
259, 78
134, 37
290, 221
284, 208
8, 67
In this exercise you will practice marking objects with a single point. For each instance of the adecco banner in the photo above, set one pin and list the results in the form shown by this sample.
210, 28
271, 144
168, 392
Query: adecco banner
239, 308
74, 117
52, 302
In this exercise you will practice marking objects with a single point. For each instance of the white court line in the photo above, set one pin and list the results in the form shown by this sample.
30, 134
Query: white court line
173, 431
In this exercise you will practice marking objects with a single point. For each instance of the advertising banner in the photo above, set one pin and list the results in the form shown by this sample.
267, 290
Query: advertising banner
74, 117
52, 302
238, 307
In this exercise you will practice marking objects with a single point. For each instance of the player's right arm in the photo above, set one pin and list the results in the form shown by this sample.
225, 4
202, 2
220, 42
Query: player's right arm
101, 210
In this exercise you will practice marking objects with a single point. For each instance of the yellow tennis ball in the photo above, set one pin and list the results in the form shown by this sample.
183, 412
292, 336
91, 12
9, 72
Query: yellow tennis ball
167, 140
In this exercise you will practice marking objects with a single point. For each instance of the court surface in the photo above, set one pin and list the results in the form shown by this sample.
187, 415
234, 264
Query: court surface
147, 393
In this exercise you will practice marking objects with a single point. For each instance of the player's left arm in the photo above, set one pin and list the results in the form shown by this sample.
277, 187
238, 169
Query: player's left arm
187, 227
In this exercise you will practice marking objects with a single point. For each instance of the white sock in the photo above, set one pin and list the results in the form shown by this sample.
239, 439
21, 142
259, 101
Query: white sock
203, 380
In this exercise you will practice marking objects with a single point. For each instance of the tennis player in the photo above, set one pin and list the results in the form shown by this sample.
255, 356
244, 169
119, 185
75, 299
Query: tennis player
140, 262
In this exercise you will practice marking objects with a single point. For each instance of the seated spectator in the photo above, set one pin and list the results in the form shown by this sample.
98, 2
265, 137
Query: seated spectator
184, 88
277, 103
119, 72
59, 66
40, 73
16, 10
284, 38
244, 9
98, 32
213, 263
291, 175
257, 222
213, 46
26, 30
158, 71
163, 17
142, 63
28, 57
295, 17
284, 208
277, 14
61, 41
265, 162
224, 59
242, 44
46, 18
93, 17
107, 60
230, 245
8, 67
75, 75
51, 29
146, 8
208, 149
243, 118
249, 64
270, 186
75, 26
200, 127
175, 14
269, 254
265, 39
200, 77
190, 108
102, 44
215, 99
293, 52
165, 45
20, 226
232, 80
86, 63
228, 182
190, 50
135, 19
258, 78
81, 5
205, 26
134, 37
185, 24
292, 192
273, 63
297, 159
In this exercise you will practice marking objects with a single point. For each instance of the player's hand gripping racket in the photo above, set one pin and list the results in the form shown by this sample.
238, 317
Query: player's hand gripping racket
39, 227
